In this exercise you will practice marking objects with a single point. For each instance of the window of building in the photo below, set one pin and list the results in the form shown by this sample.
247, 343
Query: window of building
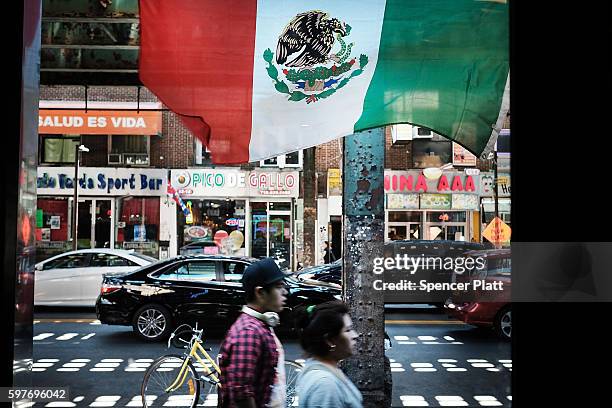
58, 149
202, 154
293, 159
129, 149
52, 227
427, 153
138, 224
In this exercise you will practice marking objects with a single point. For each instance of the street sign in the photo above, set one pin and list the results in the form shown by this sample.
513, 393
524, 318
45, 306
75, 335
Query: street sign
497, 231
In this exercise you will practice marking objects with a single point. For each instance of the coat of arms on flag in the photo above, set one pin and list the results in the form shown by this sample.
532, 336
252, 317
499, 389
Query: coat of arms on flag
311, 66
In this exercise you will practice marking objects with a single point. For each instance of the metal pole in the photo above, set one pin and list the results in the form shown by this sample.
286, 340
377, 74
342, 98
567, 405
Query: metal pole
75, 202
495, 193
363, 202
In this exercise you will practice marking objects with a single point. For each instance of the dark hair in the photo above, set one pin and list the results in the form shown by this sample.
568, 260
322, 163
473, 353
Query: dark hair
318, 323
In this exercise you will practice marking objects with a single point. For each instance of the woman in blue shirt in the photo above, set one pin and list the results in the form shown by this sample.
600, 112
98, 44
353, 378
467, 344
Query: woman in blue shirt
327, 337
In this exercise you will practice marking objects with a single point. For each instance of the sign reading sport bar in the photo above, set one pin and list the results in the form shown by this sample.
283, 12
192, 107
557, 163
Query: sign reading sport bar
98, 122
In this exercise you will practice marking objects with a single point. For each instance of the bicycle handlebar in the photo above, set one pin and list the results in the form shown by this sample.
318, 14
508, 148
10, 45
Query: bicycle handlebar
196, 334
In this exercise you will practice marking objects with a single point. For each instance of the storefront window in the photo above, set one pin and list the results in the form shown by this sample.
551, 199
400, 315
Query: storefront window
405, 216
138, 224
446, 216
212, 227
52, 227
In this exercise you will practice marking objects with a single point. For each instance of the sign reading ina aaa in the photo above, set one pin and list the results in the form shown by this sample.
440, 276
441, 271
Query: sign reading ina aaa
497, 231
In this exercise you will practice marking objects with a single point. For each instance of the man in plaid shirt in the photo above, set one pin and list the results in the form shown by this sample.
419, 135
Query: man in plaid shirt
251, 357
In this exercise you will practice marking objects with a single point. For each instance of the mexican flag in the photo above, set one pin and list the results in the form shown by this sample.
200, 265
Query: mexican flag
255, 79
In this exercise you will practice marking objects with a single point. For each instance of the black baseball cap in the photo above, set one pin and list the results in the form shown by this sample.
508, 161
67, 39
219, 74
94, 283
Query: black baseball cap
261, 273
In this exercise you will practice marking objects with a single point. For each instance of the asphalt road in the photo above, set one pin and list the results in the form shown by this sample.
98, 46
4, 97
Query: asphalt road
435, 361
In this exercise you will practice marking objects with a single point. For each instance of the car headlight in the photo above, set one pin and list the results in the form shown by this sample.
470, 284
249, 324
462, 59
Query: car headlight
338, 297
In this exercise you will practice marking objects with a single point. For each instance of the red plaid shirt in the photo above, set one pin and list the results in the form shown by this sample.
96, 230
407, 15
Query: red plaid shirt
248, 359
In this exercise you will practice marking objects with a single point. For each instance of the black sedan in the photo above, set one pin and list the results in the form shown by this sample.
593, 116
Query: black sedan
331, 273
189, 289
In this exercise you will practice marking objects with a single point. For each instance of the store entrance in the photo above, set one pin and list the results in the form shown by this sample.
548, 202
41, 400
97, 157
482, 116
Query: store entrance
94, 223
271, 231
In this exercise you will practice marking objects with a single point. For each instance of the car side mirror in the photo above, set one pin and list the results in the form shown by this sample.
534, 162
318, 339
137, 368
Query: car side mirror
38, 267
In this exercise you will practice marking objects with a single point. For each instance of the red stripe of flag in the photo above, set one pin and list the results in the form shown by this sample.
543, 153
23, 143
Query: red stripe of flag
197, 57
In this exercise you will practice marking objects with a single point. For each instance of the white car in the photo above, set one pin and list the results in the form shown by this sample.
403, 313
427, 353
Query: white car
74, 278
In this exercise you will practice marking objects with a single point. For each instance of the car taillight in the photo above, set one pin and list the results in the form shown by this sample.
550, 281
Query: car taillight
109, 288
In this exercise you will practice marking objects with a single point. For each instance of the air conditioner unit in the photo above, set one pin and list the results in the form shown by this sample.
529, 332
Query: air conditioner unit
401, 133
114, 158
421, 133
136, 159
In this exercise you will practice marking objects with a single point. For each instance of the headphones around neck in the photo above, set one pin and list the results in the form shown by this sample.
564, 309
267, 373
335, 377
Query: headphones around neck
272, 319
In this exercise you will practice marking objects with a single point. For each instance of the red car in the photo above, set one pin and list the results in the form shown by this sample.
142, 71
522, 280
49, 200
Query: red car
487, 301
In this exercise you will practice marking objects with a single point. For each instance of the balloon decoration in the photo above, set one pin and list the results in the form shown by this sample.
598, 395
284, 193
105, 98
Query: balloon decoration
237, 238
219, 237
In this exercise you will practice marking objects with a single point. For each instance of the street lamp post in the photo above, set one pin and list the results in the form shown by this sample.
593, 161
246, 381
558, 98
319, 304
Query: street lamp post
75, 203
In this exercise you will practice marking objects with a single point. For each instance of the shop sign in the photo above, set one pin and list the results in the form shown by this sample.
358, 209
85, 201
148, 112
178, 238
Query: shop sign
334, 182
402, 201
139, 246
96, 122
465, 202
235, 183
232, 222
414, 181
102, 181
503, 184
436, 201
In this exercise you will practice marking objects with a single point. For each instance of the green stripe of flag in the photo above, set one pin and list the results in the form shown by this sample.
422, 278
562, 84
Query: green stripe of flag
443, 64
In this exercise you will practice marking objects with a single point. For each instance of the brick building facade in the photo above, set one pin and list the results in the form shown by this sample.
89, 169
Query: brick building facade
174, 148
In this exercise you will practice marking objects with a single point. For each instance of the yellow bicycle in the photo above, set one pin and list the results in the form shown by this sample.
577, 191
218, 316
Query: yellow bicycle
178, 377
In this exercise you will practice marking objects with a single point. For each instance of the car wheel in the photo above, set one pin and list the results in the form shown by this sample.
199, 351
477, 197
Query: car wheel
152, 322
503, 323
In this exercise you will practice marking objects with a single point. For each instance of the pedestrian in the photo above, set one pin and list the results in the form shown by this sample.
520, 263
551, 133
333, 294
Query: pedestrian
251, 357
328, 256
327, 337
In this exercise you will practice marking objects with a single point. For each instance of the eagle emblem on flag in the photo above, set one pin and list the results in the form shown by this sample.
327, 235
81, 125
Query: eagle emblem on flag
312, 68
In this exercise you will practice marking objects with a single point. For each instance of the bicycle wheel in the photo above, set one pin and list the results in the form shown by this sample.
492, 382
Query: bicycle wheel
160, 375
292, 372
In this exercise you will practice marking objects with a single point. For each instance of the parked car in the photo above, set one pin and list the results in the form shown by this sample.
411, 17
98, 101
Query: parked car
486, 307
187, 289
74, 278
331, 273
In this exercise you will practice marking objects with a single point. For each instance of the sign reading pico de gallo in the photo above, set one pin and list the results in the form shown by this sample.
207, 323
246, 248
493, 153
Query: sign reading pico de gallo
406, 182
97, 122
235, 183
